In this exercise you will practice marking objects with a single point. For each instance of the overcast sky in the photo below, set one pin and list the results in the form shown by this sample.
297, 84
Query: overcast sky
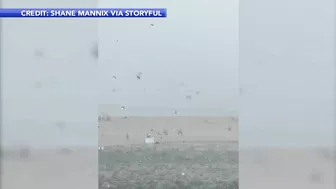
286, 69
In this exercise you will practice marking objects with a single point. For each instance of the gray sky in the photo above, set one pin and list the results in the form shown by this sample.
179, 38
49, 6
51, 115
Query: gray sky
286, 69
178, 56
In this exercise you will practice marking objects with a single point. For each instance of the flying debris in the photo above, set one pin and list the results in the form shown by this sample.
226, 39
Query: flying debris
175, 112
122, 107
198, 92
178, 131
114, 77
61, 126
127, 136
39, 53
94, 50
189, 97
139, 75
104, 117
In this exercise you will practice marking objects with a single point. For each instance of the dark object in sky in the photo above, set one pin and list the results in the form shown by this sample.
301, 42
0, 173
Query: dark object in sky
127, 136
198, 92
189, 97
94, 51
151, 24
39, 53
179, 131
61, 125
139, 75
114, 77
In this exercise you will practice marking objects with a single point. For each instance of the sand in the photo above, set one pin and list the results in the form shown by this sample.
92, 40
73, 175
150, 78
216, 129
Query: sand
203, 155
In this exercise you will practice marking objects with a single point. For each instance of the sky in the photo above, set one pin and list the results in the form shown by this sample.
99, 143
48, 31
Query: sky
270, 63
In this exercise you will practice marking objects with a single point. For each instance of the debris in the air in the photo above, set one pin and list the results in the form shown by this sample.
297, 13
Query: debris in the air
94, 50
39, 53
139, 75
189, 97
198, 92
127, 136
122, 107
61, 125
114, 77
175, 112
165, 132
178, 131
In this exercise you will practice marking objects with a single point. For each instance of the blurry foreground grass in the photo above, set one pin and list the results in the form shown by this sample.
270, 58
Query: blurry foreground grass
170, 166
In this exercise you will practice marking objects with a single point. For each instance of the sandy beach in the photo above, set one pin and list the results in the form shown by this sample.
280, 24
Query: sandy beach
205, 129
189, 152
